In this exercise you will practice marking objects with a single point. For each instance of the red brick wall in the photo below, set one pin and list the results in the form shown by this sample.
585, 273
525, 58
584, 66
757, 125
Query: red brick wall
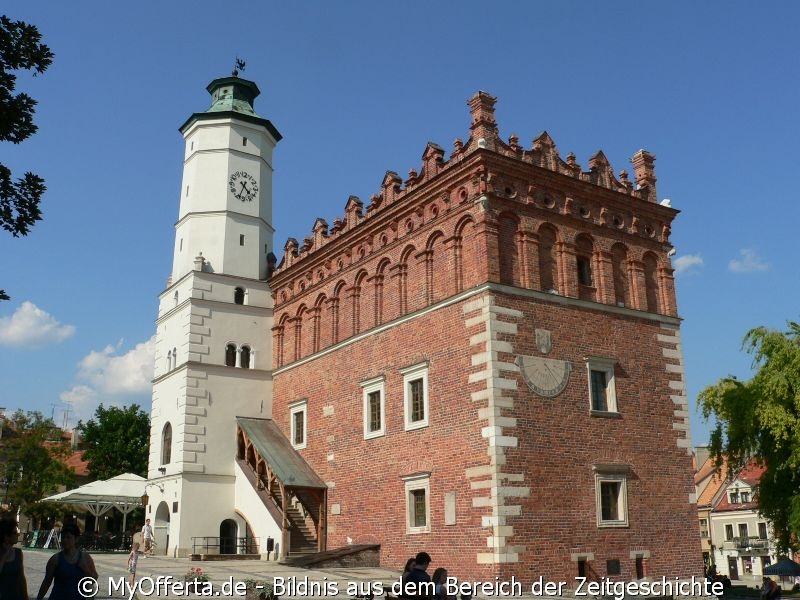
367, 473
456, 227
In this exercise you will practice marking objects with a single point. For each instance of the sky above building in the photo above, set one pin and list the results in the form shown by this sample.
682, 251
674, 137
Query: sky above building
358, 88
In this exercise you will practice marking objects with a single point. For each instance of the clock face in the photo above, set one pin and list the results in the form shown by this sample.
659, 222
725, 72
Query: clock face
243, 186
545, 376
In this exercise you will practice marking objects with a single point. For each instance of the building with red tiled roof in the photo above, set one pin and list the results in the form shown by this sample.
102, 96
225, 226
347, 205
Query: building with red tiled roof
709, 482
743, 541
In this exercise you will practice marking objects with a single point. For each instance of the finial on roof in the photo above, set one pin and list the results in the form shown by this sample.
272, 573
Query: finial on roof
239, 66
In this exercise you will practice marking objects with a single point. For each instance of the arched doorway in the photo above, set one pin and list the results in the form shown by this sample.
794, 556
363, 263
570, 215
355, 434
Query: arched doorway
227, 537
161, 528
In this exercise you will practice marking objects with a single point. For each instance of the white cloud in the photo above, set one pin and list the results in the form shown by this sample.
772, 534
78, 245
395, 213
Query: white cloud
112, 379
120, 374
685, 263
749, 263
31, 327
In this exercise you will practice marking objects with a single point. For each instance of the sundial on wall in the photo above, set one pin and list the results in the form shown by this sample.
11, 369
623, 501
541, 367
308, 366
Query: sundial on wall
545, 376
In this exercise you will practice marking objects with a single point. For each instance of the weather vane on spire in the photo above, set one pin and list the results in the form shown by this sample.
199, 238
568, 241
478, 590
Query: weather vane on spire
239, 67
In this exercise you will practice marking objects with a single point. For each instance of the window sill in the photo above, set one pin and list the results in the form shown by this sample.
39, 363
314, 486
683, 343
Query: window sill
605, 414
416, 425
418, 530
610, 524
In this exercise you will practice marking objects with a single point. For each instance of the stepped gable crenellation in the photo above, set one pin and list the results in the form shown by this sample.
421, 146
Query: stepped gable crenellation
484, 136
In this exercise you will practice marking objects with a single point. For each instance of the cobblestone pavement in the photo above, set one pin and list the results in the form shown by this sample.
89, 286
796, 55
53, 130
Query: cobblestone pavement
224, 575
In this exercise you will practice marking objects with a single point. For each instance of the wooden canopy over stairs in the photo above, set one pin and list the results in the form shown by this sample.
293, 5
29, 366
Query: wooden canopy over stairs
289, 488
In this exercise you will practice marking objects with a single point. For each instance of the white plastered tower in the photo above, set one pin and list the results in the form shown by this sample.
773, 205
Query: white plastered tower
213, 332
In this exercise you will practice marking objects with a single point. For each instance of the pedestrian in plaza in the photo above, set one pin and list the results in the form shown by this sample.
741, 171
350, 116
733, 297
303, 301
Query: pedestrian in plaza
67, 568
769, 589
133, 559
13, 585
417, 581
148, 538
409, 566
439, 579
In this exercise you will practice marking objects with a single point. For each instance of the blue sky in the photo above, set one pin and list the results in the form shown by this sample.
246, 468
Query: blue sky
358, 88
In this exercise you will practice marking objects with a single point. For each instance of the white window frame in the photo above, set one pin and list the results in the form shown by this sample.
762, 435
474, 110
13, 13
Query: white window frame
612, 473
410, 374
416, 482
606, 365
726, 531
377, 384
300, 406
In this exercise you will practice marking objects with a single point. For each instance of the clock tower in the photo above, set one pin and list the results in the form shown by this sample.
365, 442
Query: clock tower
213, 342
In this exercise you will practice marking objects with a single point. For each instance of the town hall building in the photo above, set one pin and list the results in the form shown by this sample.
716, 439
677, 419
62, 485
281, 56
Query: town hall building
484, 362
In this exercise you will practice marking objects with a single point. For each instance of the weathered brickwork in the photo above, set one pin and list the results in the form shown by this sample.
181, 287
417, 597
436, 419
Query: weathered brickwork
456, 269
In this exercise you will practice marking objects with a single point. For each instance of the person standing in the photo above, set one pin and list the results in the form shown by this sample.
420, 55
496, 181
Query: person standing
417, 584
133, 560
65, 569
148, 538
13, 585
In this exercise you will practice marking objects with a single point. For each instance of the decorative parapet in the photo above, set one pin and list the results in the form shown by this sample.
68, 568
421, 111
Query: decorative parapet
484, 137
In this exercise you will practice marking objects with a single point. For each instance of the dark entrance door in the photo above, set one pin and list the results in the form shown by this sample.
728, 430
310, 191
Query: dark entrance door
227, 537
733, 568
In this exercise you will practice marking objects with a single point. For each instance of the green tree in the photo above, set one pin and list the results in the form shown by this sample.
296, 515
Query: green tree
20, 49
31, 455
760, 419
116, 441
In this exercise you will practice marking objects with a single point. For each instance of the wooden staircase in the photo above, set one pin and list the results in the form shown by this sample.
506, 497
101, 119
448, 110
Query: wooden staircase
302, 539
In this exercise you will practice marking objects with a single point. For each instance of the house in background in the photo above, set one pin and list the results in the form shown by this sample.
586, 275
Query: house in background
743, 541
709, 484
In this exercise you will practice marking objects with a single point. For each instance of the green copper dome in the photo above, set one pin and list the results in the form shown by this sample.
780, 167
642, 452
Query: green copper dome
232, 97
233, 94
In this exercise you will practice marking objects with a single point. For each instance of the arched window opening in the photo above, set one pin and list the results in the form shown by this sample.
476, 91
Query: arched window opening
166, 444
619, 267
230, 355
245, 357
174, 357
584, 251
175, 298
238, 296
651, 282
169, 360
547, 260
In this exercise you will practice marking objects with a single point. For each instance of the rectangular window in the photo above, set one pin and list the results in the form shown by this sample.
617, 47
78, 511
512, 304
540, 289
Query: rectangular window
743, 531
734, 497
415, 391
298, 415
241, 239
612, 502
244, 141
419, 517
613, 566
703, 528
418, 510
584, 271
639, 567
598, 386
602, 386
372, 392
728, 532
762, 531
745, 497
